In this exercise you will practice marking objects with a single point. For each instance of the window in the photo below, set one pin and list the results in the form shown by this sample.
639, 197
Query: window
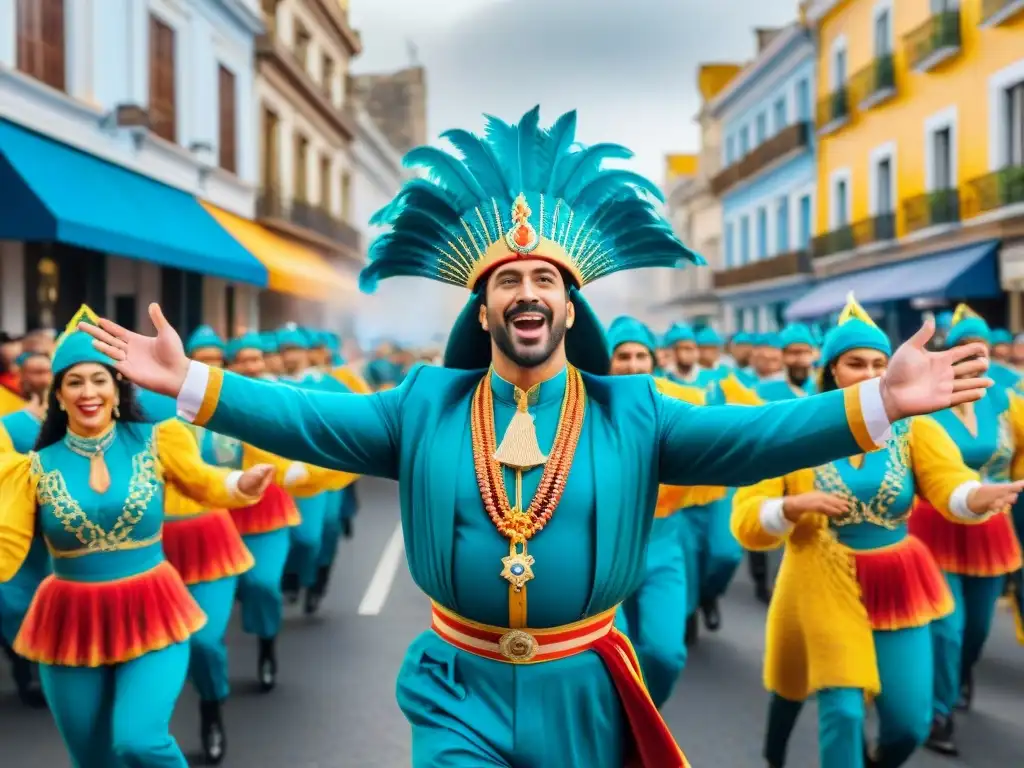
842, 197
737, 319
782, 225
762, 233
730, 150
780, 113
346, 195
270, 133
883, 180
762, 127
226, 109
41, 41
327, 76
301, 180
744, 140
803, 100
325, 182
1015, 125
162, 91
883, 34
839, 67
942, 148
302, 41
730, 235
744, 240
804, 233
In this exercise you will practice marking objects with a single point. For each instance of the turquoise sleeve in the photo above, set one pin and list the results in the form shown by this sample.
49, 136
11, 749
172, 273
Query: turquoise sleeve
347, 432
737, 445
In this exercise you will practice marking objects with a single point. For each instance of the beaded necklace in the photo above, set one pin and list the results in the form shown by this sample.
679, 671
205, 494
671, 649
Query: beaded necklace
93, 449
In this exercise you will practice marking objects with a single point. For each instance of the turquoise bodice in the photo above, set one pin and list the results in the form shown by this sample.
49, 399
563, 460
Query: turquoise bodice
23, 429
781, 389
880, 493
990, 452
97, 537
564, 550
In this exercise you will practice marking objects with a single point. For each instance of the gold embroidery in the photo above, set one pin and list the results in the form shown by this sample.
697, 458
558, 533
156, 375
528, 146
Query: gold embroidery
53, 492
828, 479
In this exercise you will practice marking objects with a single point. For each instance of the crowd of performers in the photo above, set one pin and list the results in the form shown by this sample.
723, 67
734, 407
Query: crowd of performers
147, 485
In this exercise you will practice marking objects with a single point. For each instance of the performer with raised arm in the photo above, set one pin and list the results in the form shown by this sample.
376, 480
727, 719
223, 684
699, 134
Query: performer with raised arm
521, 419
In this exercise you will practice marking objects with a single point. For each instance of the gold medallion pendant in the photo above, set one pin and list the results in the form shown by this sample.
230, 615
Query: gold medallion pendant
518, 566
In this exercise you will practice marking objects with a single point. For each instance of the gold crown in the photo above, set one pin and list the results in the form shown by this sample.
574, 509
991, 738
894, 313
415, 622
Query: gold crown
962, 312
854, 311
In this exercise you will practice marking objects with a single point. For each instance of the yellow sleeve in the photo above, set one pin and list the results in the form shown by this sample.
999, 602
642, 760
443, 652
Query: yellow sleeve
6, 444
745, 521
691, 395
1017, 425
311, 481
183, 465
738, 394
9, 402
938, 467
352, 380
17, 511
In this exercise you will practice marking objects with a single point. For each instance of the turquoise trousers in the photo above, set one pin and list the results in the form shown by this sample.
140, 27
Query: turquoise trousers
259, 588
208, 663
711, 553
119, 715
332, 529
307, 539
654, 617
904, 708
960, 637
16, 595
470, 712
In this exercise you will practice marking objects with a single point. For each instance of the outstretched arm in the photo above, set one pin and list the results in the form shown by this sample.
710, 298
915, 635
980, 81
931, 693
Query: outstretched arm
741, 445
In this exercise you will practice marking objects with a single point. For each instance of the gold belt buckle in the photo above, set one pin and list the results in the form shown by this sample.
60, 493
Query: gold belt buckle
517, 645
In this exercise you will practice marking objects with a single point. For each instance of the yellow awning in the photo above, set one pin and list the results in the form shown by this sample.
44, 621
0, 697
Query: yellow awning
293, 268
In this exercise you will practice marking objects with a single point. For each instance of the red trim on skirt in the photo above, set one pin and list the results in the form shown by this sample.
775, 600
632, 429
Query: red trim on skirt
274, 511
205, 547
979, 549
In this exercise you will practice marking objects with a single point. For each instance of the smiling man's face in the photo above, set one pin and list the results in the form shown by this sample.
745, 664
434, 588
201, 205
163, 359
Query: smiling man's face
526, 311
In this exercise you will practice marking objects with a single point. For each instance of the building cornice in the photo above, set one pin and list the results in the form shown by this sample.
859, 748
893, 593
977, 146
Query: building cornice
796, 32
339, 21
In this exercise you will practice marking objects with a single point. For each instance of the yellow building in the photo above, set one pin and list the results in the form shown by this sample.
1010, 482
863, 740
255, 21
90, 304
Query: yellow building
920, 120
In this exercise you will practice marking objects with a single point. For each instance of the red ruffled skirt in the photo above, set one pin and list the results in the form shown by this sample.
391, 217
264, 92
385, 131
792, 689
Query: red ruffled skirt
274, 511
205, 547
981, 549
94, 624
901, 586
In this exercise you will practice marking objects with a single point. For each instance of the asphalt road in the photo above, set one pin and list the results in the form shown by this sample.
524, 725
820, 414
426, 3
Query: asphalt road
334, 706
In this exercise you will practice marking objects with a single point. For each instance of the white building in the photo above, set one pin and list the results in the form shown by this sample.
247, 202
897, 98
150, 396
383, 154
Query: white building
102, 102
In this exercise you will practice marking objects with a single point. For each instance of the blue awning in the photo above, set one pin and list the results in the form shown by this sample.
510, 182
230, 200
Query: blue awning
766, 296
970, 272
53, 192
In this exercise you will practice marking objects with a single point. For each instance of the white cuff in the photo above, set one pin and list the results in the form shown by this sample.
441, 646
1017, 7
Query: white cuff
295, 473
231, 482
871, 405
193, 390
958, 501
772, 518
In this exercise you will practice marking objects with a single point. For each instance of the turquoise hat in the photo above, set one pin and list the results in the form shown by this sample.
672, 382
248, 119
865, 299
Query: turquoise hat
796, 333
967, 326
204, 337
1001, 336
75, 347
269, 341
292, 337
707, 336
854, 330
522, 192
24, 357
770, 340
742, 337
248, 340
678, 333
944, 320
627, 330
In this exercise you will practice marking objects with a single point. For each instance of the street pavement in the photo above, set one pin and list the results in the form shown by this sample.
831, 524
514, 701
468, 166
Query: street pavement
334, 706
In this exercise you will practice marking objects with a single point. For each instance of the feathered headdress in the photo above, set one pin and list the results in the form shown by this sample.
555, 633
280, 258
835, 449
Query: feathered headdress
521, 191
854, 330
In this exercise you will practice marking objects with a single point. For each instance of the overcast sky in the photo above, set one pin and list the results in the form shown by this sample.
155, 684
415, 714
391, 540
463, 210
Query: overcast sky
629, 68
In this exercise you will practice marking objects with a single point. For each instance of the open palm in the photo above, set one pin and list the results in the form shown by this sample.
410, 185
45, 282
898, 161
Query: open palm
157, 363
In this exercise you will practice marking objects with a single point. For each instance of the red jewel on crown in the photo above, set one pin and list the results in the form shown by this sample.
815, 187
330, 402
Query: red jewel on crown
521, 237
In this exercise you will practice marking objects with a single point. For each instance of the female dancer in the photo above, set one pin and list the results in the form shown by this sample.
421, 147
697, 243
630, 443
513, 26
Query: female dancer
110, 627
855, 595
977, 559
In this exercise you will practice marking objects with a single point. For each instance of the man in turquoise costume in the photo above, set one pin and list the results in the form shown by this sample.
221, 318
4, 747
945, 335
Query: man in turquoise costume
521, 418
686, 366
741, 350
19, 432
798, 346
709, 354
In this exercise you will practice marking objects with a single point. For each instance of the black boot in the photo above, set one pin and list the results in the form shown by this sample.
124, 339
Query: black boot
315, 594
758, 564
966, 691
940, 739
267, 665
290, 588
692, 629
211, 732
712, 615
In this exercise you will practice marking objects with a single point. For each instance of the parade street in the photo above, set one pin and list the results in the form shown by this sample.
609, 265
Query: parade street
334, 706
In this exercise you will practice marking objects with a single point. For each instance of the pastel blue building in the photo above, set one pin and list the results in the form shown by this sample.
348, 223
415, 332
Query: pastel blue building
767, 185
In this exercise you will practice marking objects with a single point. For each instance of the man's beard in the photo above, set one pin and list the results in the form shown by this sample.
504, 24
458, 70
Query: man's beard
532, 356
799, 376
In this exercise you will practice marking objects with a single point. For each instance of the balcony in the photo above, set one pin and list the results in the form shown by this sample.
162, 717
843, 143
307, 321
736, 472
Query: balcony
838, 240
833, 111
874, 84
993, 191
271, 50
932, 209
935, 41
790, 140
783, 265
880, 228
996, 12
271, 205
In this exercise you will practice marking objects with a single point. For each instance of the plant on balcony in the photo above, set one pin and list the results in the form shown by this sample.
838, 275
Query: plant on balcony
944, 206
839, 100
885, 73
1011, 185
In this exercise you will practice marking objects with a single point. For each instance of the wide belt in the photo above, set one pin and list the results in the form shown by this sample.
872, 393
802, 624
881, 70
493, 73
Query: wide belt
521, 646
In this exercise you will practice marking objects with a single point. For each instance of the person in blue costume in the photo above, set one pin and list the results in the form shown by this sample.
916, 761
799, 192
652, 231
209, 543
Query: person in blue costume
18, 433
709, 354
110, 627
685, 366
383, 371
523, 409
654, 616
798, 345
739, 350
976, 559
272, 363
1001, 341
851, 615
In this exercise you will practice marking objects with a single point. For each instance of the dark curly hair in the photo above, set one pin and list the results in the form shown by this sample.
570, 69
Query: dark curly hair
55, 425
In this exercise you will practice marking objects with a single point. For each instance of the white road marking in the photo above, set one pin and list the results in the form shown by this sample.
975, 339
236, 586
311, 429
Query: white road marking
380, 585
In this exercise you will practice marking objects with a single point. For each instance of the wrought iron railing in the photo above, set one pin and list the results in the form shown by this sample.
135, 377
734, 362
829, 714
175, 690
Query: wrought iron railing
993, 191
941, 206
941, 31
834, 107
839, 240
877, 77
